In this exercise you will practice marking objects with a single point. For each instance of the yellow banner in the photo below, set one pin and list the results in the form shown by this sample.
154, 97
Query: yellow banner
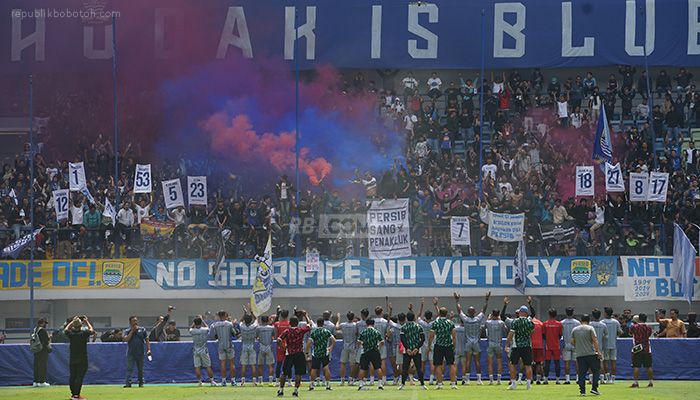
71, 274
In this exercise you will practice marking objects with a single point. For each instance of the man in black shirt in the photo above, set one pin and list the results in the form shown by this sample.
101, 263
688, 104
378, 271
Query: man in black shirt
78, 338
41, 359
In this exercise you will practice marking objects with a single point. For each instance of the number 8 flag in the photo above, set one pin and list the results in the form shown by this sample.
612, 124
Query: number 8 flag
639, 185
584, 181
614, 182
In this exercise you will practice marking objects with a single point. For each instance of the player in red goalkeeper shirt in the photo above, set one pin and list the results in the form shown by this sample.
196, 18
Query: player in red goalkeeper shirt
553, 330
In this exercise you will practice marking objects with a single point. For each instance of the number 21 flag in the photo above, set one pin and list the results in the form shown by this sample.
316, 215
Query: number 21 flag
584, 181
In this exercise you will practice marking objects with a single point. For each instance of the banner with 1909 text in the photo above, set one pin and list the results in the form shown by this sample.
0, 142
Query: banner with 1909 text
345, 276
389, 232
506, 227
649, 278
71, 274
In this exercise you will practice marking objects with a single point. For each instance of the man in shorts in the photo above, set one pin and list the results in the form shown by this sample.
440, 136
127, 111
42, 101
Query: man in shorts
601, 332
381, 325
472, 331
370, 340
426, 352
349, 351
292, 342
396, 353
460, 359
361, 326
200, 333
610, 347
537, 344
552, 335
412, 338
442, 335
641, 351
265, 332
248, 328
568, 325
321, 341
519, 338
495, 331
281, 325
225, 331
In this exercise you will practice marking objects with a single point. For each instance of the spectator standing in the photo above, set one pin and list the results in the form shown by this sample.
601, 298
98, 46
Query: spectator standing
41, 358
674, 327
125, 223
410, 85
585, 343
136, 337
172, 333
641, 350
434, 84
78, 361
693, 328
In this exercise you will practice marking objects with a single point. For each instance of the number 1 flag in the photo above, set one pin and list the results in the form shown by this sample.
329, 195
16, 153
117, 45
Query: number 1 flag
602, 146
520, 268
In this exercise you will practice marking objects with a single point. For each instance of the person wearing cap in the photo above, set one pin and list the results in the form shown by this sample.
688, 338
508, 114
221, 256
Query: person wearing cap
520, 341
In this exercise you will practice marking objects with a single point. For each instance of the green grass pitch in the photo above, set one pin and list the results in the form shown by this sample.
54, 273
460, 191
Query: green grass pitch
672, 390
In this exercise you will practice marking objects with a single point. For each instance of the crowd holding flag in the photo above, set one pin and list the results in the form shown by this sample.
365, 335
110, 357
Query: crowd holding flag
261, 298
602, 146
16, 247
520, 268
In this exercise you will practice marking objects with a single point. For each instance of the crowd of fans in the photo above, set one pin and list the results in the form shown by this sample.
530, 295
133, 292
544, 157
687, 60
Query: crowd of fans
518, 145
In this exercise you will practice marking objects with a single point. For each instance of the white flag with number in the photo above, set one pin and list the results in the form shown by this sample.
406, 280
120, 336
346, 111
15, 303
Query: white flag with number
639, 185
142, 178
110, 211
614, 182
658, 187
197, 190
61, 203
172, 194
76, 176
584, 181
459, 231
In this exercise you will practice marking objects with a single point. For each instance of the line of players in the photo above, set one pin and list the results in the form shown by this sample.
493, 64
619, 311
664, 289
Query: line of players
388, 336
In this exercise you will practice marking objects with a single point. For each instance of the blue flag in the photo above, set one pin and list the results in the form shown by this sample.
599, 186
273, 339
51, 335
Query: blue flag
602, 147
16, 247
683, 267
520, 268
261, 299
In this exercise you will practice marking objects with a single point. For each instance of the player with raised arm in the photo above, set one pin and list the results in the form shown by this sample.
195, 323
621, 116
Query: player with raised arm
472, 332
200, 352
519, 337
291, 342
610, 347
225, 331
426, 324
495, 332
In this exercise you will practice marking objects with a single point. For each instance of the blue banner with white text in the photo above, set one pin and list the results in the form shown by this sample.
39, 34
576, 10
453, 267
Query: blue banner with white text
60, 35
414, 272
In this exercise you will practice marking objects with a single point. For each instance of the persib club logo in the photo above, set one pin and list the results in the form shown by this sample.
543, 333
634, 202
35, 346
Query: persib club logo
112, 272
581, 271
